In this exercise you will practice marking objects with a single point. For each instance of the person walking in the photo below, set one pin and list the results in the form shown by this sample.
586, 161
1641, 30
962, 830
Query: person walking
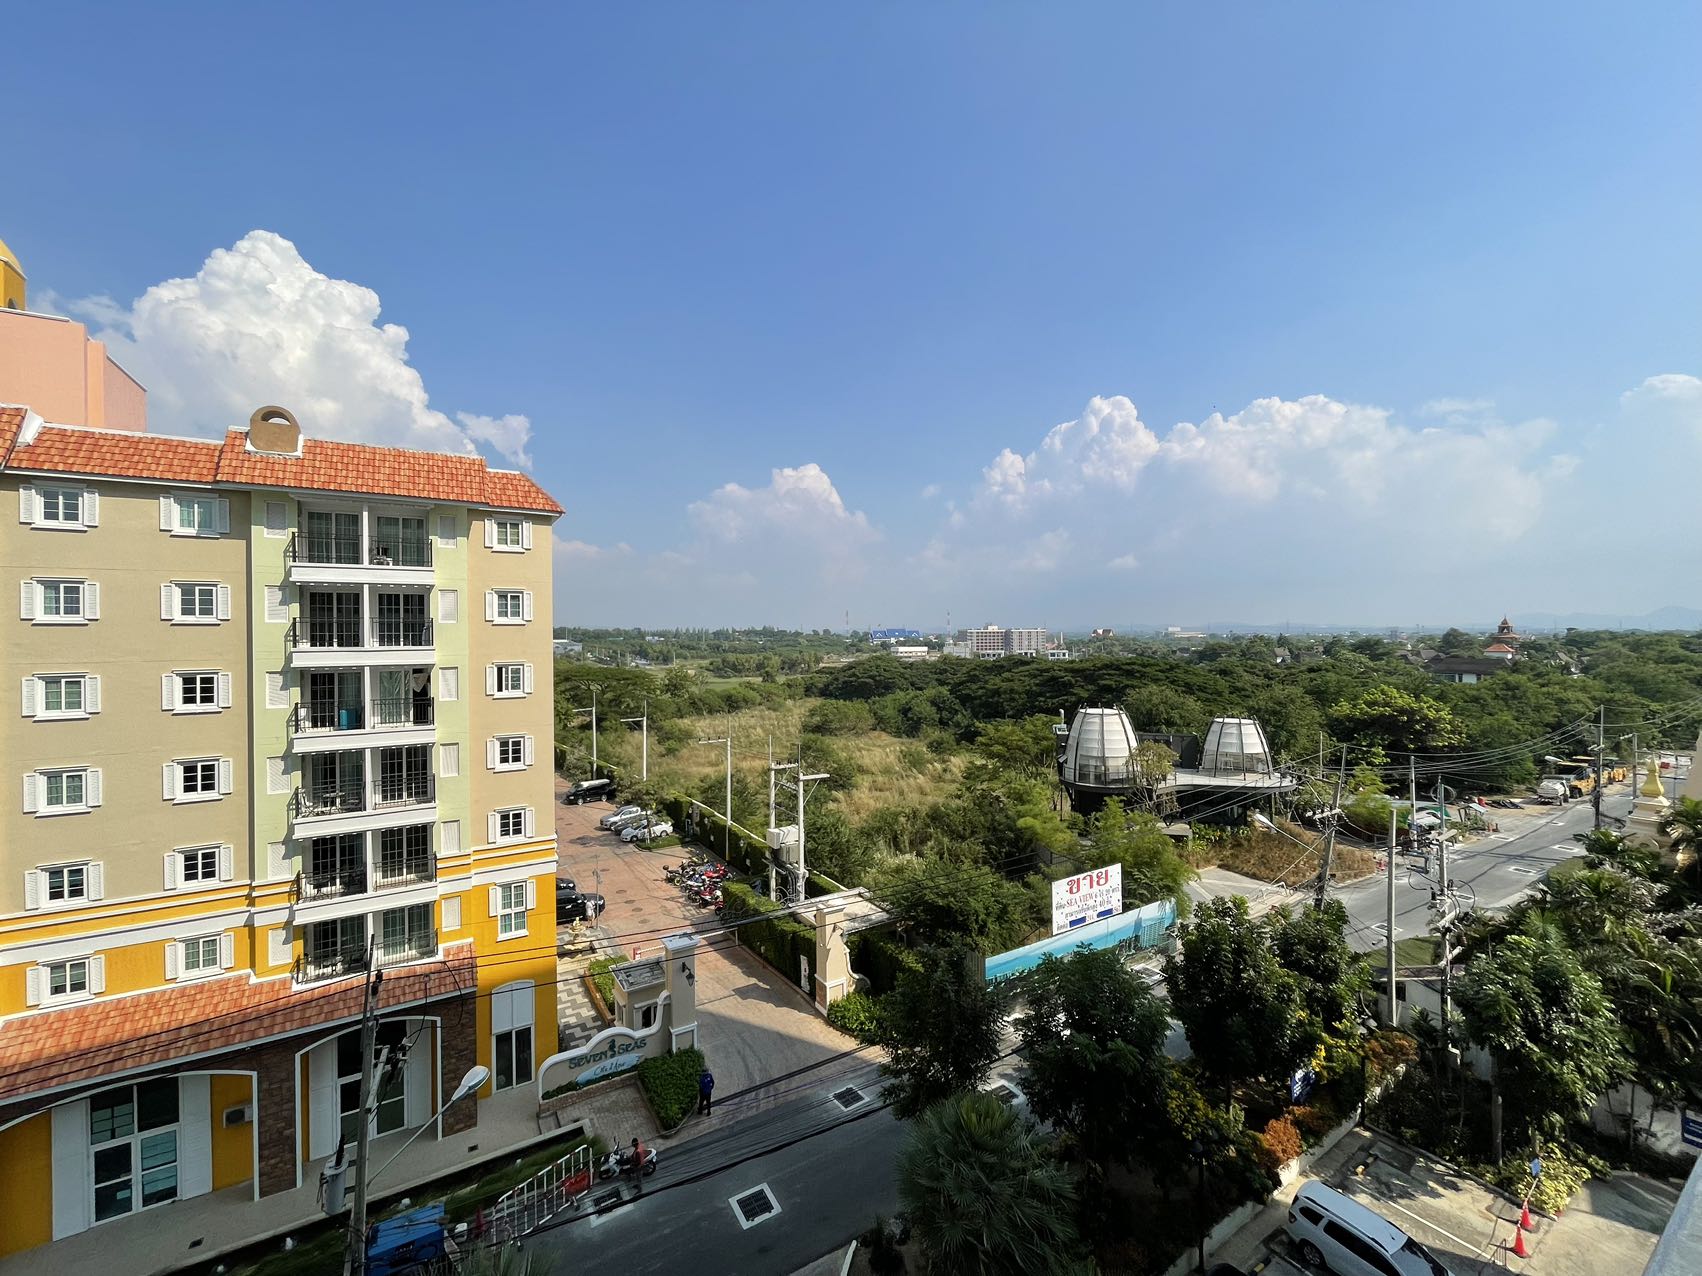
705, 1088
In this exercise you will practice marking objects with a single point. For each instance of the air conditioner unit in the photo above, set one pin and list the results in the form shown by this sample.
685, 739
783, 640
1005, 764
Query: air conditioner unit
241, 1114
785, 835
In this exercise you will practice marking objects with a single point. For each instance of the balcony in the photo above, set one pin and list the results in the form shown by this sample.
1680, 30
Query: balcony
412, 870
387, 795
416, 945
340, 724
315, 642
347, 558
337, 963
329, 883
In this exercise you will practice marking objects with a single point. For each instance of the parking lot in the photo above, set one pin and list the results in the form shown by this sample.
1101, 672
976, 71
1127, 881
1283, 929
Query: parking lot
755, 1025
1611, 1226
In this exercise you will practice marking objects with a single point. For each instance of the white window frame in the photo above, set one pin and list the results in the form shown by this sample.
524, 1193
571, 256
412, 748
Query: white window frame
38, 885
32, 507
175, 773
219, 858
510, 904
503, 815
220, 946
33, 602
173, 685
509, 752
508, 600
508, 535
66, 899
171, 514
171, 602
92, 982
36, 791
497, 677
35, 696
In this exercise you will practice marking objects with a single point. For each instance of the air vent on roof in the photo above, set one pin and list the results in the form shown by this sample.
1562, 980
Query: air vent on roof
274, 431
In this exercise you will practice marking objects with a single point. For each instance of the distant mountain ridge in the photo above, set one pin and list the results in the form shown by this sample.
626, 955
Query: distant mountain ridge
1662, 618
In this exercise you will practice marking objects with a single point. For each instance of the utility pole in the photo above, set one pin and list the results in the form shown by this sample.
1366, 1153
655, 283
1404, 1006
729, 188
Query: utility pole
1330, 834
1448, 915
771, 814
727, 832
1393, 1017
644, 774
354, 1250
1636, 757
1601, 751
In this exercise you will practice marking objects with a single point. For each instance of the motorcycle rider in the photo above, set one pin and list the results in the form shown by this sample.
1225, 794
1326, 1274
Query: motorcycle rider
638, 1163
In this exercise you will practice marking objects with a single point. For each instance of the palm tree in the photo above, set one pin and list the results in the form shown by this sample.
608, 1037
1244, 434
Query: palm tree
981, 1195
1683, 824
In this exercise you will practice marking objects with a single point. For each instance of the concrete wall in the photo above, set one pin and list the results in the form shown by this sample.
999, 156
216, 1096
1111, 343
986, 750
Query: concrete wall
49, 364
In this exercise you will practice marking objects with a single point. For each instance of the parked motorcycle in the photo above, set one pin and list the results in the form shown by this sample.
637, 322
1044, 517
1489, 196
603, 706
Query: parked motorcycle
619, 1161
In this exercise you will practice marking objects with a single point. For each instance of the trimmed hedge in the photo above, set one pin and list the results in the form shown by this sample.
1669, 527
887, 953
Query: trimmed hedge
670, 1083
599, 972
881, 957
780, 941
857, 1015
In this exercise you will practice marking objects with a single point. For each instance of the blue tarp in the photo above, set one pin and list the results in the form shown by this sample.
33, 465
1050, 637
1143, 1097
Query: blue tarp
1144, 926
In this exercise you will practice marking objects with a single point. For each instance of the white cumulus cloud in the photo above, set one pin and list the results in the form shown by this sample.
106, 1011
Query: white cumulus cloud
256, 324
799, 502
1107, 445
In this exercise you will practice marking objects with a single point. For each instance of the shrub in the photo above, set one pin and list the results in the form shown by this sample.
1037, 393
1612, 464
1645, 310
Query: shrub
599, 972
1282, 1142
1564, 1171
780, 941
670, 1084
1388, 1050
857, 1015
1314, 1121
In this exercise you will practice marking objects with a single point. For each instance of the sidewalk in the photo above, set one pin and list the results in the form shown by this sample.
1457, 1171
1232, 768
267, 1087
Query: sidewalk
204, 1227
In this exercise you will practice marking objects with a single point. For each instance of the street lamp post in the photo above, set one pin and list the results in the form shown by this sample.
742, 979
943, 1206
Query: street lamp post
727, 830
592, 710
644, 774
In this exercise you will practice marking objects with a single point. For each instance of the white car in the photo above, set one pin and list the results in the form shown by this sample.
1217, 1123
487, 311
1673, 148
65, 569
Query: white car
608, 821
642, 831
1333, 1230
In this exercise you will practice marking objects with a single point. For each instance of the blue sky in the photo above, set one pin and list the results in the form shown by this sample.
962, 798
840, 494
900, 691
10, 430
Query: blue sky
790, 296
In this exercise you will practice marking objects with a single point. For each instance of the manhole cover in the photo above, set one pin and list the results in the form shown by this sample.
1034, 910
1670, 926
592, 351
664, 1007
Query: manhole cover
606, 1200
755, 1206
849, 1097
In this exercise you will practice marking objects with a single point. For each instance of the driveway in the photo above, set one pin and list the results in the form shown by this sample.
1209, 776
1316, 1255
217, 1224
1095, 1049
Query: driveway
1610, 1226
757, 1028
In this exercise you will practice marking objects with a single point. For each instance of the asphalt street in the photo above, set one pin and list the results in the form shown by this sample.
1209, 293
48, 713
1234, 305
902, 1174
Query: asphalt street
1490, 872
828, 1170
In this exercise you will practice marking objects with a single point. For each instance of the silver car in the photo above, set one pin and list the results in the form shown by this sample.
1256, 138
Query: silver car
608, 821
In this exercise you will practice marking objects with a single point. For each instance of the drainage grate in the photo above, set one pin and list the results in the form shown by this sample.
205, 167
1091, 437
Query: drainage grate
606, 1200
849, 1097
755, 1206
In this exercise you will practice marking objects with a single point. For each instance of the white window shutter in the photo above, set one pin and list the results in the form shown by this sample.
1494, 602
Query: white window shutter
26, 600
490, 604
224, 516
277, 776
491, 827
96, 878
91, 508
168, 514
168, 693
446, 531
526, 604
91, 600
97, 974
277, 518
278, 946
448, 606
490, 680
527, 747
449, 838
490, 753
91, 693
168, 602
495, 900
32, 793
490, 533
173, 959
449, 683
30, 700
32, 986
224, 602
277, 691
525, 533
277, 610
531, 895
26, 504
32, 888
526, 677
91, 786
449, 760
169, 775
452, 913
224, 690
227, 950
172, 860
227, 773
227, 862
526, 821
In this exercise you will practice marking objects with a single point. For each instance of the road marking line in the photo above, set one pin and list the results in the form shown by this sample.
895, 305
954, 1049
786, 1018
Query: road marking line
1500, 837
1564, 846
1470, 1248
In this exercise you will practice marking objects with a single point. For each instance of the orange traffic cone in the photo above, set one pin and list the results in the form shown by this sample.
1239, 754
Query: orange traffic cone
1525, 1223
1519, 1250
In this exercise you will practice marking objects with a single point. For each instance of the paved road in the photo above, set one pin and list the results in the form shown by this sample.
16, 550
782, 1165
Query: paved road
1497, 869
829, 1186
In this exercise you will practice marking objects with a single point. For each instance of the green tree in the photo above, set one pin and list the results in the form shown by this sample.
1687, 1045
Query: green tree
1244, 1014
940, 1025
1548, 1025
1606, 848
1092, 1029
944, 902
982, 1197
1683, 824
1152, 867
1027, 749
1312, 945
1394, 721
1156, 707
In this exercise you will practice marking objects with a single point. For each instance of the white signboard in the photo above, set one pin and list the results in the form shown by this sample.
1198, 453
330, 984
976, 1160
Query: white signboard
1086, 897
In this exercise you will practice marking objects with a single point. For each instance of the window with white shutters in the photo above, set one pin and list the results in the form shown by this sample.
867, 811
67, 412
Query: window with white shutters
58, 507
63, 885
508, 906
58, 601
198, 779
277, 605
509, 752
195, 602
508, 680
60, 695
68, 980
62, 791
449, 606
194, 514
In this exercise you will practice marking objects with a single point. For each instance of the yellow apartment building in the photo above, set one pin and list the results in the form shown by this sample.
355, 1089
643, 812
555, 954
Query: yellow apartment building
283, 712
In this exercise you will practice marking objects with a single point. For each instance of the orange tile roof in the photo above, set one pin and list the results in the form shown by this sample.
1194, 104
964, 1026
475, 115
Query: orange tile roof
323, 466
98, 1038
11, 421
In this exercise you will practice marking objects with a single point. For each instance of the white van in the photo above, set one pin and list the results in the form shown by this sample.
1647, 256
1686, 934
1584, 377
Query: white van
1335, 1231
